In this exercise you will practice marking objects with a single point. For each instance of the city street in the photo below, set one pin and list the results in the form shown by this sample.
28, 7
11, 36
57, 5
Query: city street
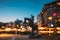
22, 37
29, 19
16, 37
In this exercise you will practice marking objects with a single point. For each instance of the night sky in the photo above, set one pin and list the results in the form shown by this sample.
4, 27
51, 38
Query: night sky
10, 10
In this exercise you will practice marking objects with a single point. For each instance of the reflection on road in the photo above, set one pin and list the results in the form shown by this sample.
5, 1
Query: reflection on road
7, 35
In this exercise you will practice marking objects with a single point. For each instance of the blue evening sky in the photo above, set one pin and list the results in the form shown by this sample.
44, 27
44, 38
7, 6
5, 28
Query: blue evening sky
10, 10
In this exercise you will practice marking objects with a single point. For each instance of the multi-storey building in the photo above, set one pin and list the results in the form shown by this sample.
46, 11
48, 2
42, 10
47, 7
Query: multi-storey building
50, 15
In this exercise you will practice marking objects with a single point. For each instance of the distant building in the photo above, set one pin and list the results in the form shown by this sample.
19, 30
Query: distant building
10, 24
18, 23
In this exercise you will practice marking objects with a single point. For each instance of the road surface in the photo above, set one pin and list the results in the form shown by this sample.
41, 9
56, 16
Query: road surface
21, 37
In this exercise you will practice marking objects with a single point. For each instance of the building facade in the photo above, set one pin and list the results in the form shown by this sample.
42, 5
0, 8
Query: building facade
50, 15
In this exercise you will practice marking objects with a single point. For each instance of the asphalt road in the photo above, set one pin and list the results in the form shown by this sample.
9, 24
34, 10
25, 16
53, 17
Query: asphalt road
21, 37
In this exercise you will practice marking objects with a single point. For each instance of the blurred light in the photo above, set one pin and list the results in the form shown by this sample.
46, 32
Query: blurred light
46, 31
58, 28
17, 25
9, 24
46, 28
58, 32
52, 25
50, 18
58, 3
54, 14
23, 29
29, 27
27, 21
50, 29
58, 19
6, 35
1, 30
7, 29
3, 26
14, 29
18, 29
42, 12
41, 28
35, 31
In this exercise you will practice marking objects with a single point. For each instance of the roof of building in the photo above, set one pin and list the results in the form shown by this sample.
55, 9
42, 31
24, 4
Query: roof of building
52, 2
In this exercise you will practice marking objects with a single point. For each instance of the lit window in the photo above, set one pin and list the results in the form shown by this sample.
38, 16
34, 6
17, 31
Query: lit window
50, 18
